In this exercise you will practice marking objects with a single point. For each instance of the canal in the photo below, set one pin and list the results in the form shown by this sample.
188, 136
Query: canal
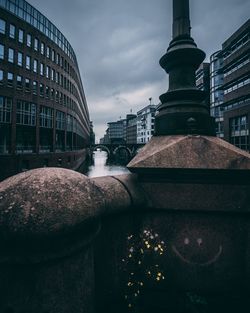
102, 167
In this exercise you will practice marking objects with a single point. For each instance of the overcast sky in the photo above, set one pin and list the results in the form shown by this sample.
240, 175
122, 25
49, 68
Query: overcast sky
118, 44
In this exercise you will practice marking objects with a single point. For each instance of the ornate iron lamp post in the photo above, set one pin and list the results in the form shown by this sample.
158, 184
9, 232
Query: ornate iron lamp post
182, 110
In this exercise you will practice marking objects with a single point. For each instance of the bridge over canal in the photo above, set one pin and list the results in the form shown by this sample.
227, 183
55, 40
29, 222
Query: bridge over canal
118, 151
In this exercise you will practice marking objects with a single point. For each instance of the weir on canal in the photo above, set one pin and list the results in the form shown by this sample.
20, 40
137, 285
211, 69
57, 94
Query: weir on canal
171, 236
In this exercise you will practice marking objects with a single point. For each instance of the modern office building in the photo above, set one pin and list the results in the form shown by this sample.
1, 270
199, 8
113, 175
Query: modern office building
236, 86
131, 132
117, 132
44, 119
203, 80
216, 92
145, 123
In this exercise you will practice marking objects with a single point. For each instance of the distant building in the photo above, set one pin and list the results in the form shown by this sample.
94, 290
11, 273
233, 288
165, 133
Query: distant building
131, 131
117, 132
216, 91
203, 80
105, 139
236, 85
145, 123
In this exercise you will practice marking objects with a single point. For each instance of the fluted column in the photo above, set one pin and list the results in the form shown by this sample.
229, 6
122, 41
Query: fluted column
181, 21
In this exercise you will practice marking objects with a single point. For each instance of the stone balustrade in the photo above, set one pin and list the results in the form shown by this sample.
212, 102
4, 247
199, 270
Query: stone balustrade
70, 243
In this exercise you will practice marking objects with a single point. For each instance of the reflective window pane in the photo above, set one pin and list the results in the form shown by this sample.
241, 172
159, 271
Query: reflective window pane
12, 33
20, 35
2, 26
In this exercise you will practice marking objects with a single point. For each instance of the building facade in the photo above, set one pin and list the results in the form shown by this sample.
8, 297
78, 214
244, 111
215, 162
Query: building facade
117, 132
145, 123
44, 119
203, 80
131, 133
236, 86
216, 92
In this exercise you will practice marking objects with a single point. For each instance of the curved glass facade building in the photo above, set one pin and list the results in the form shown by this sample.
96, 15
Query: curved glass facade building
44, 119
216, 91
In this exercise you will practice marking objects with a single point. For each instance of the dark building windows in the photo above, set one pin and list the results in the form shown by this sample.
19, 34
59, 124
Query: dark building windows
1, 51
60, 120
41, 89
11, 55
46, 124
35, 65
5, 126
46, 117
27, 84
34, 87
25, 134
42, 47
41, 69
36, 44
53, 55
52, 94
10, 78
47, 92
5, 109
60, 131
2, 26
1, 77
239, 132
28, 40
28, 60
20, 35
19, 82
47, 72
20, 59
26, 113
48, 52
57, 96
52, 74
12, 32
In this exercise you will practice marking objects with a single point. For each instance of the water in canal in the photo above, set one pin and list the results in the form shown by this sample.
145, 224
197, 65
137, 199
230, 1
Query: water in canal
102, 167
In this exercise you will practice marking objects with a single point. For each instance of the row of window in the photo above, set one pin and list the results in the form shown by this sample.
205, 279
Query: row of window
43, 70
26, 115
39, 46
237, 104
237, 85
236, 46
36, 44
236, 67
143, 140
38, 89
33, 17
239, 132
139, 134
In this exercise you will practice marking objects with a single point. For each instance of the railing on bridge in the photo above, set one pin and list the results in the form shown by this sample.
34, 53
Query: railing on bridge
172, 237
